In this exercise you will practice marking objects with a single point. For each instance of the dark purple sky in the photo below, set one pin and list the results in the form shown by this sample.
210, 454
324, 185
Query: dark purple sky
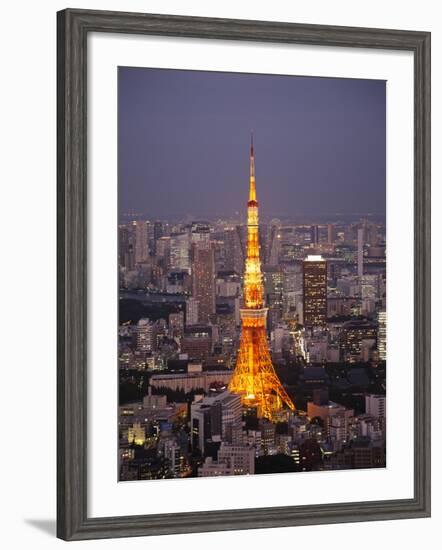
184, 142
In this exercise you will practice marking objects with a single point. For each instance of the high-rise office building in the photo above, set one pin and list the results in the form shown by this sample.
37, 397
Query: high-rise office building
372, 234
141, 233
179, 251
203, 279
330, 234
200, 232
352, 337
349, 234
274, 246
126, 252
144, 335
314, 234
274, 294
198, 341
268, 436
174, 457
157, 230
369, 286
162, 248
234, 250
382, 335
360, 252
205, 424
212, 418
375, 405
314, 292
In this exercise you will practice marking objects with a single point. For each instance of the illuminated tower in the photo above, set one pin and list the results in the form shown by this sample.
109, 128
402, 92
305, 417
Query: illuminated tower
254, 377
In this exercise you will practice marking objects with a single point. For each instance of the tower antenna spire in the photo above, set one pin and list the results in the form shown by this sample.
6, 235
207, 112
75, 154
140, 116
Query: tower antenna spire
252, 188
254, 377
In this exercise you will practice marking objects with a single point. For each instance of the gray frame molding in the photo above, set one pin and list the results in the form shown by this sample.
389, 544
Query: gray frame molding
72, 521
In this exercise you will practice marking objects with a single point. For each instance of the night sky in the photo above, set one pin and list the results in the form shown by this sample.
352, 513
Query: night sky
184, 143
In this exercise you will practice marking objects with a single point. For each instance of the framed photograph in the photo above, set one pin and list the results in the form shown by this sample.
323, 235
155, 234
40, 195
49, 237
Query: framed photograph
243, 274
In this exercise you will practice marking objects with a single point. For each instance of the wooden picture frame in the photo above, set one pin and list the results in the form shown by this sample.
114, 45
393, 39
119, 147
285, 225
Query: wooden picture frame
73, 28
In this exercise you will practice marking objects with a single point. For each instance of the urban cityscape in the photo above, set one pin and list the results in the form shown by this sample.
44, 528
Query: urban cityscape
250, 344
190, 397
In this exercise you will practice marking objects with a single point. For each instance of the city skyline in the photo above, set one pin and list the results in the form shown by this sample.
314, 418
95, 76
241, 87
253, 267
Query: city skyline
248, 344
182, 133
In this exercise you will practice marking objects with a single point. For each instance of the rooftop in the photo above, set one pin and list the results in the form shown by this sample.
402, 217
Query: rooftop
314, 258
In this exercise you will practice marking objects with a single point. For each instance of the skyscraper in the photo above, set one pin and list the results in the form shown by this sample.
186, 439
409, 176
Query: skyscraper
255, 378
157, 233
157, 230
382, 335
162, 251
330, 233
274, 246
274, 293
234, 252
199, 231
314, 234
314, 292
372, 231
214, 416
360, 252
203, 279
144, 335
141, 241
126, 255
179, 251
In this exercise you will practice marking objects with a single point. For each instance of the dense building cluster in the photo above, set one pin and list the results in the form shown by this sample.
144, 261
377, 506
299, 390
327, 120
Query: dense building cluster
181, 291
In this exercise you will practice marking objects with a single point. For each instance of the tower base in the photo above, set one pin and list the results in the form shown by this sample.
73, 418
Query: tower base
254, 377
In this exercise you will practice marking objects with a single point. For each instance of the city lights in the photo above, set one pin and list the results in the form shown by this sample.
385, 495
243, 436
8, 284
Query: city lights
252, 335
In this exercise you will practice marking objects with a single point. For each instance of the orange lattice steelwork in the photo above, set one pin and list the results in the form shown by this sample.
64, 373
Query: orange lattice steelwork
254, 376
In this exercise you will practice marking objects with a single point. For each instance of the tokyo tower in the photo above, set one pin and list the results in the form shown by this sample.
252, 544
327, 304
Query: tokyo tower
254, 377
